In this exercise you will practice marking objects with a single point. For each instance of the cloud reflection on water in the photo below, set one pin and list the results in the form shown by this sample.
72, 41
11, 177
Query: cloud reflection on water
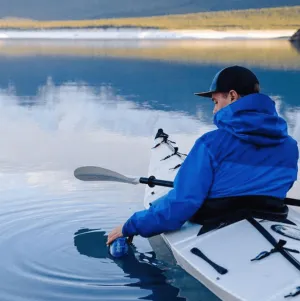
73, 124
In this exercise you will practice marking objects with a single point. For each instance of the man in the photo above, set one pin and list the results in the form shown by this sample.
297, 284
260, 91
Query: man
250, 153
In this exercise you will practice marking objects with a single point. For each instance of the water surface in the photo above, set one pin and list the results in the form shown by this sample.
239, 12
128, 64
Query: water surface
66, 105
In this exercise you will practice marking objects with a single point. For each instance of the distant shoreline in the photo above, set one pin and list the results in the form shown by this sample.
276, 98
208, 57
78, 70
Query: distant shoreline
278, 18
266, 23
142, 34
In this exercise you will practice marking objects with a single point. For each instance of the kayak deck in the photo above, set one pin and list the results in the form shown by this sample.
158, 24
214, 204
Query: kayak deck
231, 247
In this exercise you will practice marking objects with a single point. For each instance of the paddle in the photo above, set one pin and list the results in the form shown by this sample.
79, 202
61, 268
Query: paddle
94, 173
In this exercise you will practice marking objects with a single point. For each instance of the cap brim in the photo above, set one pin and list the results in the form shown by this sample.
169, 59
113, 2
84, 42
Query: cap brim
205, 94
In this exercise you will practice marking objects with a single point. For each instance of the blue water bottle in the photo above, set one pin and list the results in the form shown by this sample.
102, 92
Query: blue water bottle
119, 247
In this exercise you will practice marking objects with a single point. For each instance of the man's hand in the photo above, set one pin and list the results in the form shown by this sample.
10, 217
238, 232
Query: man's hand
114, 234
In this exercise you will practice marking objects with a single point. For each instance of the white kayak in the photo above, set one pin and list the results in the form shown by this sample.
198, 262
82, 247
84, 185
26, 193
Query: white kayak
227, 269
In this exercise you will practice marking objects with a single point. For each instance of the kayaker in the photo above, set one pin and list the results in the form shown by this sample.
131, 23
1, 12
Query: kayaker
250, 153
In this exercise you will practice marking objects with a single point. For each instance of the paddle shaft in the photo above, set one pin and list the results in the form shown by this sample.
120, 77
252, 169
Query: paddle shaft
152, 181
94, 173
292, 202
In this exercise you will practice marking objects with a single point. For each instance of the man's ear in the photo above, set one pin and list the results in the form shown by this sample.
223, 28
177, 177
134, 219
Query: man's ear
233, 95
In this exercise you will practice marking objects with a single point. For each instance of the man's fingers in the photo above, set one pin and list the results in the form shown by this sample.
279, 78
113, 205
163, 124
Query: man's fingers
109, 239
114, 234
112, 237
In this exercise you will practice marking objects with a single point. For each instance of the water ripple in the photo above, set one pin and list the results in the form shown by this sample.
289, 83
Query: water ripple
53, 249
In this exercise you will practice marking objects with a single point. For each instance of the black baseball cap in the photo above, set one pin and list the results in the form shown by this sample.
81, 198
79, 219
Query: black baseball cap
237, 78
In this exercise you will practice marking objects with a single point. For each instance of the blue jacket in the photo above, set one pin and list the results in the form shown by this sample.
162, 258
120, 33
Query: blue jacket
250, 153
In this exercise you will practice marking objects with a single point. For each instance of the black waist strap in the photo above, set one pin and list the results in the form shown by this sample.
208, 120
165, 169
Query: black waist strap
237, 208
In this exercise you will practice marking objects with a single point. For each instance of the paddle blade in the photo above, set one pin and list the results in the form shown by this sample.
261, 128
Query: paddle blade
94, 173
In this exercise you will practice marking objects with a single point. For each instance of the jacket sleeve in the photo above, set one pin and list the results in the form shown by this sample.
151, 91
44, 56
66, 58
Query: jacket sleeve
191, 186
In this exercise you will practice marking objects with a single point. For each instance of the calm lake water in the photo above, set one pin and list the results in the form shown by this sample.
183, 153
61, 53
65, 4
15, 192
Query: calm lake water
64, 105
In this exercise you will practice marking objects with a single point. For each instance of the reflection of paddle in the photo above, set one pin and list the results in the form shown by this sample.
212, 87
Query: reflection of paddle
94, 173
92, 243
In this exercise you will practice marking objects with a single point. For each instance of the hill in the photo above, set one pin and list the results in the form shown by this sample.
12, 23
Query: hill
268, 18
96, 9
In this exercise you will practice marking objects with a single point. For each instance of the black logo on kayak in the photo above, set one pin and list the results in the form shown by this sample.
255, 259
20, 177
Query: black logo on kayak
287, 230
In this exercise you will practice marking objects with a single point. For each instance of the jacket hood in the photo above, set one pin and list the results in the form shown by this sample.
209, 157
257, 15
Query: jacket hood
253, 118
